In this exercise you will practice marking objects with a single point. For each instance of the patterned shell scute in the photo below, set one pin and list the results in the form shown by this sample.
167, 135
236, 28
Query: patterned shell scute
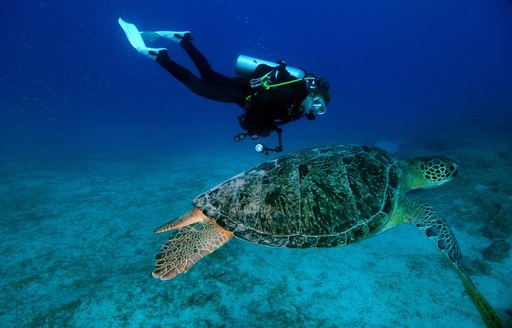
319, 197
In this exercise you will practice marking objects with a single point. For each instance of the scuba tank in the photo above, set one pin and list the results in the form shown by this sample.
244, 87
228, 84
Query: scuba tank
246, 65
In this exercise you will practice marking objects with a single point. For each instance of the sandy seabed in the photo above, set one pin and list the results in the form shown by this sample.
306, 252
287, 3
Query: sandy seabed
78, 249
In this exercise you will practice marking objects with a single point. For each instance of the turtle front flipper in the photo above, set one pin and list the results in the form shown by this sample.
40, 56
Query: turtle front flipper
194, 236
438, 230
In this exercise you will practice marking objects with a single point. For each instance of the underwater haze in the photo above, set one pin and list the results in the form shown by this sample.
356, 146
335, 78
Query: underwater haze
99, 146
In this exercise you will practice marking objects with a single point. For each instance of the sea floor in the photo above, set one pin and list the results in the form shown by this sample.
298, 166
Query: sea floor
77, 247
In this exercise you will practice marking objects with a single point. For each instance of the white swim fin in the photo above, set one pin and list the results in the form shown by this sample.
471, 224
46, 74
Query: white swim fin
170, 35
133, 35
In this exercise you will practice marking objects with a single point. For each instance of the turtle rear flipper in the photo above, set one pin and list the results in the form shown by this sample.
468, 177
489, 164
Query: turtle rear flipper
438, 230
194, 237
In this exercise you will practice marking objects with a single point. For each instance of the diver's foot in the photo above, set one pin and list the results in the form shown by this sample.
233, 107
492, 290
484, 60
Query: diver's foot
183, 36
152, 52
162, 53
170, 35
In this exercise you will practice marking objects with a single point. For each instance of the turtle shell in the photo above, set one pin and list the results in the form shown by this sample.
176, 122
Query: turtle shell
321, 197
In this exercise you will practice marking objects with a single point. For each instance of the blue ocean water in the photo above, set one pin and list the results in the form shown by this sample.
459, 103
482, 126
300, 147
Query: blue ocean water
99, 145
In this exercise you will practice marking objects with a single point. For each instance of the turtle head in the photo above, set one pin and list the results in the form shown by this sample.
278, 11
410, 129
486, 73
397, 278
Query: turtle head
428, 172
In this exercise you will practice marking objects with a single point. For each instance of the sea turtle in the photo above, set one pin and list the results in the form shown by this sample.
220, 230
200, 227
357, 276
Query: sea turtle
321, 197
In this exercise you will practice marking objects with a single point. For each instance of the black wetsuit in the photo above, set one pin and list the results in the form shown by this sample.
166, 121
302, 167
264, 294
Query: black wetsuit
265, 109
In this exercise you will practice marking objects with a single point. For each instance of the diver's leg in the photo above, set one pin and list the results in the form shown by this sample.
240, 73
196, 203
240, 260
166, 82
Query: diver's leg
208, 89
202, 64
179, 72
184, 38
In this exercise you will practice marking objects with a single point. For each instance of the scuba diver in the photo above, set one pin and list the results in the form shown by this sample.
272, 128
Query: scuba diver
271, 94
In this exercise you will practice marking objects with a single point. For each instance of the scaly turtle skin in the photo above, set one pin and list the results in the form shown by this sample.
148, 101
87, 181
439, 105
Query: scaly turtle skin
321, 197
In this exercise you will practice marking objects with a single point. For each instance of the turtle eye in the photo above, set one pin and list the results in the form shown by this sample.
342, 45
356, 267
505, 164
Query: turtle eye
452, 168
